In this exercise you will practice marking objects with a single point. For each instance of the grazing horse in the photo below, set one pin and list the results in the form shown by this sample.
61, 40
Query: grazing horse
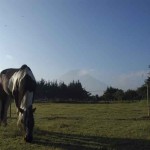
18, 84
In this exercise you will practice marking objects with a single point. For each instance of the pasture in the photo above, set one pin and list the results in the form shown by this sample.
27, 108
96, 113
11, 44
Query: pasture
82, 127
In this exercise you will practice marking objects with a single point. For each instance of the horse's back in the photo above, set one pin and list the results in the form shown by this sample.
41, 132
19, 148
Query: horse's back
8, 73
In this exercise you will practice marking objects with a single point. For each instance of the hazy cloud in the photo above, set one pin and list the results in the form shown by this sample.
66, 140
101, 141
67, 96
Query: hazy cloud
9, 57
97, 83
130, 80
89, 82
84, 72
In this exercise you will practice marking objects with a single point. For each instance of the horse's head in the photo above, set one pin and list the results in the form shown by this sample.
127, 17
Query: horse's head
27, 122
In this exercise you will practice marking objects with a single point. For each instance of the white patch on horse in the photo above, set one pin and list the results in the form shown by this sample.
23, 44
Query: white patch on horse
27, 100
19, 76
12, 81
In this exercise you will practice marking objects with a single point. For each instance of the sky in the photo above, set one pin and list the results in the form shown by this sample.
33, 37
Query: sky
108, 39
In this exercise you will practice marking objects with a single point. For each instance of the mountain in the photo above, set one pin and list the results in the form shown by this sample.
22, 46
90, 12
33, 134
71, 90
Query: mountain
88, 82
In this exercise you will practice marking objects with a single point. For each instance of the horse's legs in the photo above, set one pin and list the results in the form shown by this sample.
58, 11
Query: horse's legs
6, 104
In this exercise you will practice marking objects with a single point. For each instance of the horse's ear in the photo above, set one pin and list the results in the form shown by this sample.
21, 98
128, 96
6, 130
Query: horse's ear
33, 110
21, 110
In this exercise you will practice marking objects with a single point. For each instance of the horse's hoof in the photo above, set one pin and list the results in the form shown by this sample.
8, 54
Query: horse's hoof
28, 139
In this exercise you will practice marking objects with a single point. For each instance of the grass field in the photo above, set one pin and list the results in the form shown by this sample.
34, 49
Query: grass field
121, 126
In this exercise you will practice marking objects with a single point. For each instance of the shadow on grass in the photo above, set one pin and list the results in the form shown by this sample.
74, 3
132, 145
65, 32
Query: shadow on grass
143, 118
55, 117
81, 142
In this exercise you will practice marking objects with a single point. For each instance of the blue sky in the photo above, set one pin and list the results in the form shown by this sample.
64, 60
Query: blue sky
108, 39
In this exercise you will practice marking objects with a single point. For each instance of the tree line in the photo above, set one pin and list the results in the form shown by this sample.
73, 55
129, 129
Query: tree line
54, 90
74, 91
115, 94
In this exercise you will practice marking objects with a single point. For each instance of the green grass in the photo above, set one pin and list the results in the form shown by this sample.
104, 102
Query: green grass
121, 126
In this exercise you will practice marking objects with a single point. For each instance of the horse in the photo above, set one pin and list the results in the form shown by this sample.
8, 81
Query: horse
18, 84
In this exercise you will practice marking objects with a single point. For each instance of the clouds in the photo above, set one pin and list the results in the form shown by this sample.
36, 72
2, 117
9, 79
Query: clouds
84, 72
9, 57
125, 81
89, 82
130, 80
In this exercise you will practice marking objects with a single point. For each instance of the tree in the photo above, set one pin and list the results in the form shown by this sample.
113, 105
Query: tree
142, 92
147, 82
55, 90
63, 90
109, 94
77, 91
131, 95
119, 95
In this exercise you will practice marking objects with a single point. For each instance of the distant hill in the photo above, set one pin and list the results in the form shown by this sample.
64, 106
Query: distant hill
88, 82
